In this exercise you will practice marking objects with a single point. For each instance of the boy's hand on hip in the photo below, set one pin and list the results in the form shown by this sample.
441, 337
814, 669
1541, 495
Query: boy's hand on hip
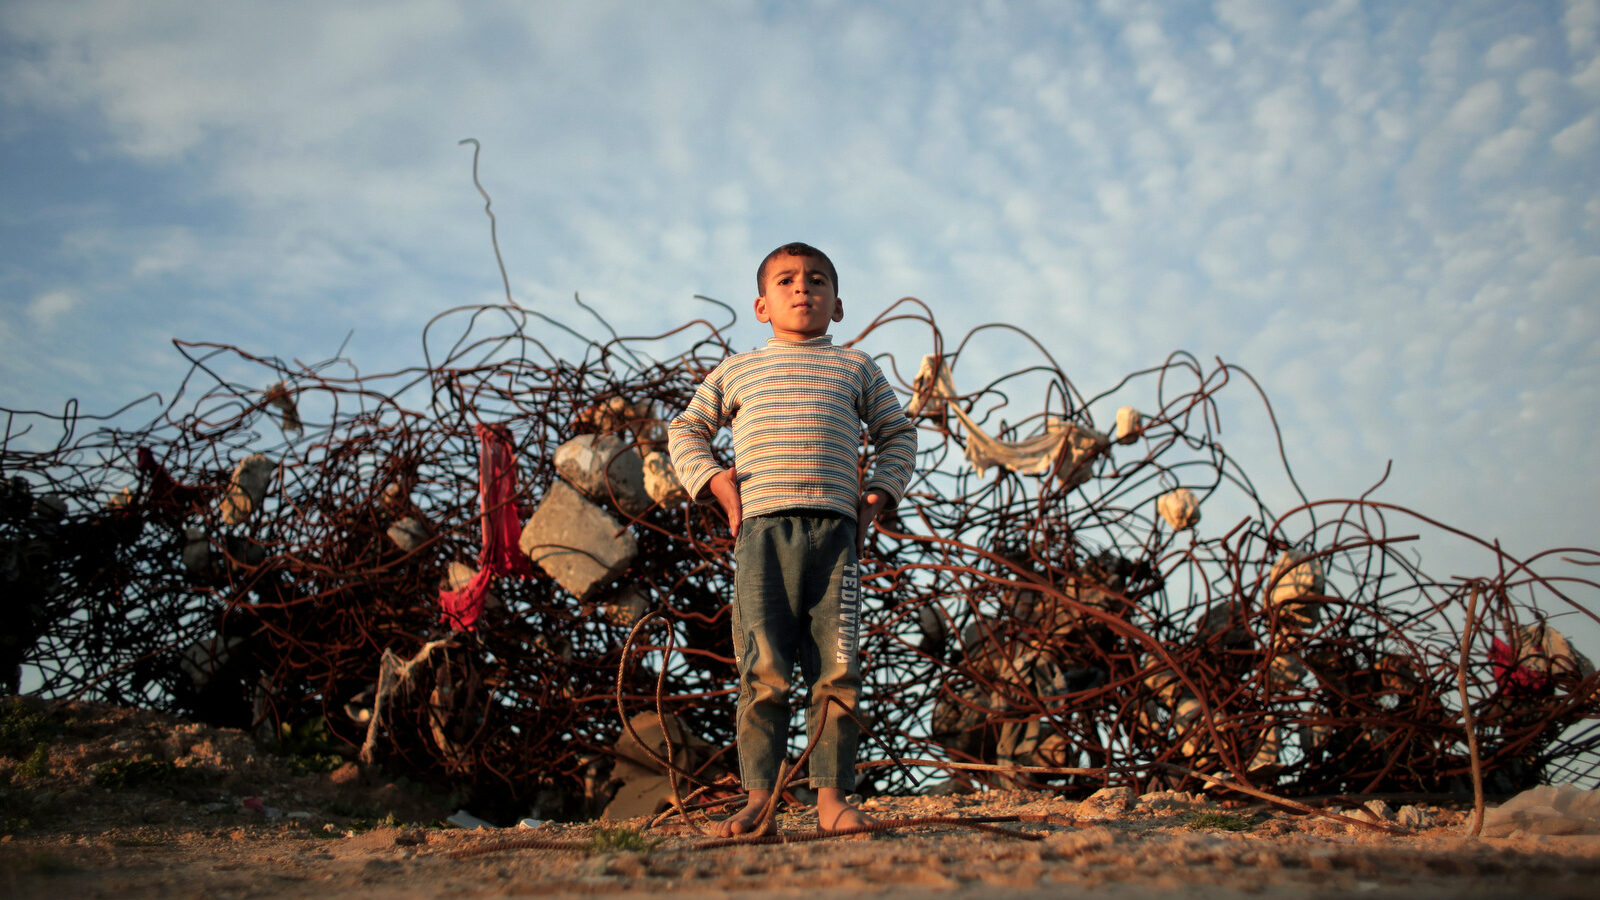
872, 503
725, 487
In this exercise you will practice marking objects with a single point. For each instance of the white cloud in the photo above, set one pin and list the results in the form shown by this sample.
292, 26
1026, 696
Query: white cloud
1580, 139
1499, 155
1259, 19
1571, 283
1509, 51
172, 252
46, 310
1478, 109
1582, 25
1587, 79
1544, 221
1543, 94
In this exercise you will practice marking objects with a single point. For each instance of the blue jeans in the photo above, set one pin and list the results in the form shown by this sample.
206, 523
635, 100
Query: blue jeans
796, 598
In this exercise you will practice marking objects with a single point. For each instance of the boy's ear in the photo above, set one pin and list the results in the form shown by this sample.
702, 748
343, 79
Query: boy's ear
761, 310
838, 310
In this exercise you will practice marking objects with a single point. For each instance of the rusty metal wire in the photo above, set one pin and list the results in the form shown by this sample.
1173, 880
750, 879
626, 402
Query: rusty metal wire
1049, 631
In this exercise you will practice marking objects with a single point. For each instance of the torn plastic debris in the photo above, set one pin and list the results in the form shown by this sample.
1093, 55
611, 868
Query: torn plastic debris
1062, 446
464, 819
359, 707
1547, 809
930, 388
278, 398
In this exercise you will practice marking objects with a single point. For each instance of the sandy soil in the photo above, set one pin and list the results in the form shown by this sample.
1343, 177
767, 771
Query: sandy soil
236, 822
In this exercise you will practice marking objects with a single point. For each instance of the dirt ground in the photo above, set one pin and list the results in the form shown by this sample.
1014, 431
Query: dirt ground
129, 804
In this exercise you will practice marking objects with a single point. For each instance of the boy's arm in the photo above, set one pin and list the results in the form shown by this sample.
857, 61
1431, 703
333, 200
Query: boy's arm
725, 487
894, 449
689, 445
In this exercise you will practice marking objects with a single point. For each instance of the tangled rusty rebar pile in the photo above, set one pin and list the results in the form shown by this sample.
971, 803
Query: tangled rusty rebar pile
276, 557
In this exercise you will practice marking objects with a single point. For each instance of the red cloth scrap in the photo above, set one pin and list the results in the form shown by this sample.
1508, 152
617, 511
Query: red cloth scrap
1511, 674
164, 489
497, 492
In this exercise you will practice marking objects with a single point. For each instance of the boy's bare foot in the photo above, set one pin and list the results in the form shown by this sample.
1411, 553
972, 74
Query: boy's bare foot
746, 820
834, 812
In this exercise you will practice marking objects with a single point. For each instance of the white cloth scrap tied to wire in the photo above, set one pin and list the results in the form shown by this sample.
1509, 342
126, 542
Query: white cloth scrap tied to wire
1034, 455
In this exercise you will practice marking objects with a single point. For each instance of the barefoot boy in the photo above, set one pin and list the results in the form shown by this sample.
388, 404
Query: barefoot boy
794, 501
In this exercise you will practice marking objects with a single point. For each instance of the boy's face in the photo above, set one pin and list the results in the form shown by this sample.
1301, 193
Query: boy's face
797, 298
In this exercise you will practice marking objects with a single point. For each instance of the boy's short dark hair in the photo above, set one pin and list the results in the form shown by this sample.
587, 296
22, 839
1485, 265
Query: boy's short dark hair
804, 251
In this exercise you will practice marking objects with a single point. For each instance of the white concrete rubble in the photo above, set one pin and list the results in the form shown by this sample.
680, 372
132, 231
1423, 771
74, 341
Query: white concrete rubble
577, 543
606, 468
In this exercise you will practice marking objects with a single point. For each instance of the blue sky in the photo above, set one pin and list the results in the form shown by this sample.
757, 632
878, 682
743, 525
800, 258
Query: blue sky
1388, 212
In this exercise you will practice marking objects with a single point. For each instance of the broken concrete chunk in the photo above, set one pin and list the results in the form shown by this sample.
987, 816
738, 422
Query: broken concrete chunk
395, 498
1285, 671
1179, 508
247, 489
196, 551
931, 625
408, 533
1129, 424
1377, 810
1412, 817
645, 789
577, 543
615, 414
626, 607
643, 796
1219, 619
50, 507
606, 468
1271, 746
1108, 801
661, 481
1295, 575
245, 553
1171, 800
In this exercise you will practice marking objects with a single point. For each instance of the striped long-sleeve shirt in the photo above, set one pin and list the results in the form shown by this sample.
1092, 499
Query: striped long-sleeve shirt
796, 409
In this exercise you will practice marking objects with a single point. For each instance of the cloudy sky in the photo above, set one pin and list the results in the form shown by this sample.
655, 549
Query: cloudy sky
1387, 212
